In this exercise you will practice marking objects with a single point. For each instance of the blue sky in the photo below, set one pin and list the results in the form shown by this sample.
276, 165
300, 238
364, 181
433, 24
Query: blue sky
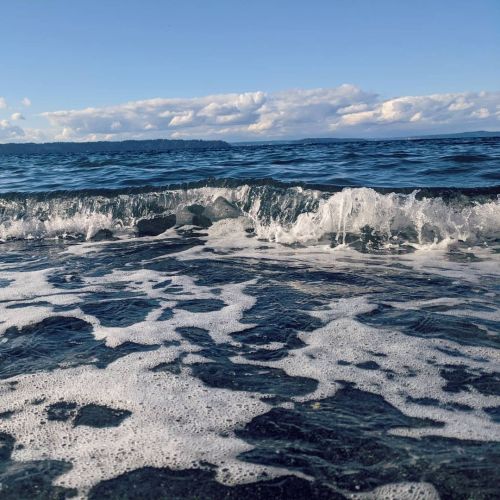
75, 55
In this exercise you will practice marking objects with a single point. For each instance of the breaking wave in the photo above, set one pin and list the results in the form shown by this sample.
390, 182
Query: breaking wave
276, 211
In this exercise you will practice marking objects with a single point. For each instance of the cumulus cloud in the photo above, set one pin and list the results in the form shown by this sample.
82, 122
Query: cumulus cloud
438, 111
346, 110
3, 103
26, 102
9, 132
198, 115
17, 116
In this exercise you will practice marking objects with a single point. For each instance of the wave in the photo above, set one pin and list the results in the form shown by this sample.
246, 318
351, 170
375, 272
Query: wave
277, 211
468, 158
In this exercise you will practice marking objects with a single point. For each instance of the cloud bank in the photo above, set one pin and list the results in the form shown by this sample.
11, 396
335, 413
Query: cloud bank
9, 132
342, 111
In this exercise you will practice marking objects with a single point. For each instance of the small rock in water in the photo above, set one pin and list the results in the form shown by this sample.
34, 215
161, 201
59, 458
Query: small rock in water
222, 209
196, 209
193, 215
184, 217
198, 215
155, 226
102, 235
201, 221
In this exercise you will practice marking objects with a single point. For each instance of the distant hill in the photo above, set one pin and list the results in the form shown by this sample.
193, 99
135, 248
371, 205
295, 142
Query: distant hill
156, 145
309, 140
459, 135
334, 140
326, 140
160, 145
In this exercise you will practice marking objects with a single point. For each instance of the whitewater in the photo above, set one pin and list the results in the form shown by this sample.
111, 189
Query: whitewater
278, 321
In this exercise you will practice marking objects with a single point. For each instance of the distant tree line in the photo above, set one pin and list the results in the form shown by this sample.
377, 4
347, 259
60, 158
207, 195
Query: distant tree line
155, 145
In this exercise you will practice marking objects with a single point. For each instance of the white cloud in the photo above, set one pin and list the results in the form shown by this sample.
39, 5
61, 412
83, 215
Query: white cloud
17, 116
346, 110
3, 103
14, 133
438, 112
481, 113
26, 102
460, 104
9, 132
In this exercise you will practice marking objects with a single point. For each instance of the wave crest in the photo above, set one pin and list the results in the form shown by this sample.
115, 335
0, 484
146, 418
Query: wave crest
285, 214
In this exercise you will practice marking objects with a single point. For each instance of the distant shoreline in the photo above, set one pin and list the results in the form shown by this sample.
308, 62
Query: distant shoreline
328, 140
166, 145
129, 146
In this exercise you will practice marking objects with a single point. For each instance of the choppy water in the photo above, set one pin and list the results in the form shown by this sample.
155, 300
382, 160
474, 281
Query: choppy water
458, 162
282, 336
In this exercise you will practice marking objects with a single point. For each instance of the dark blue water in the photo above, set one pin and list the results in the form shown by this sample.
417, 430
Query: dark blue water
457, 162
289, 322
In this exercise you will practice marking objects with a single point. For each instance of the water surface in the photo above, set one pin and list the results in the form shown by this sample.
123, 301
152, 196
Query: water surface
313, 321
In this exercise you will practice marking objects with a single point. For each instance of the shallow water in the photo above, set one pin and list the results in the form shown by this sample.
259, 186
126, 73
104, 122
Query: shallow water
289, 342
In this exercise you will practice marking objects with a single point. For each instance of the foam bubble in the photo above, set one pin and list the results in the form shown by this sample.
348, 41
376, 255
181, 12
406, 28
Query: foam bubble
288, 215
175, 421
353, 209
33, 287
37, 296
346, 350
220, 323
400, 491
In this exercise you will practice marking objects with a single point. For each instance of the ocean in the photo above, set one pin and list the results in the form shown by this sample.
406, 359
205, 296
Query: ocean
266, 321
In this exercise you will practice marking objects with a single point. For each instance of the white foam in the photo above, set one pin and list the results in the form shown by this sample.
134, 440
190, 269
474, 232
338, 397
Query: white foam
407, 358
220, 323
286, 216
28, 288
400, 491
80, 223
351, 209
61, 216
31, 287
466, 310
434, 261
343, 308
176, 421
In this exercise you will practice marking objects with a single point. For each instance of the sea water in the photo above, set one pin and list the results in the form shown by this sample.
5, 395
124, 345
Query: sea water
277, 321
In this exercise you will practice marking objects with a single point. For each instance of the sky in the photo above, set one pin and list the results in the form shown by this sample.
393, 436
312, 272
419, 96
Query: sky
241, 70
